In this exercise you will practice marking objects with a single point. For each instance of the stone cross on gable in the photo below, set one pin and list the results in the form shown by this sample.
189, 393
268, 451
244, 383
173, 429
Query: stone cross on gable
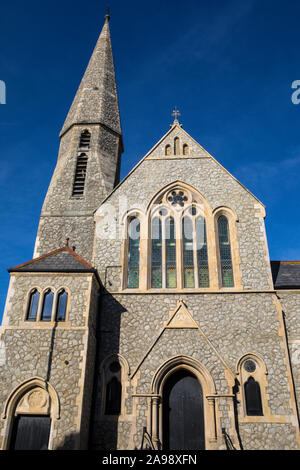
176, 113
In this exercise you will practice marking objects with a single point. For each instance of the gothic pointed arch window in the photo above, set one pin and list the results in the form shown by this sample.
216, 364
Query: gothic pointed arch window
252, 378
163, 265
179, 256
46, 313
225, 252
253, 397
33, 304
133, 253
114, 371
61, 306
80, 175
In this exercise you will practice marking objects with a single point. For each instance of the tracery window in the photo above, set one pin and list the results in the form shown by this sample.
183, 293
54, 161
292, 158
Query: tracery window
225, 252
179, 260
133, 253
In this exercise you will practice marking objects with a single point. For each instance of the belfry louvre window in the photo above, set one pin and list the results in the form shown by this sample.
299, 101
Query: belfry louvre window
85, 139
80, 174
33, 305
225, 252
133, 253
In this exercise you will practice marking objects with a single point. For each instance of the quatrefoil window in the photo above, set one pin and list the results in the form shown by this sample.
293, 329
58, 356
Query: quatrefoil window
177, 198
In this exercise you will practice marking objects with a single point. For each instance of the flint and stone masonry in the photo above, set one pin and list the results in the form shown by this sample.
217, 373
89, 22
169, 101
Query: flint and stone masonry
98, 377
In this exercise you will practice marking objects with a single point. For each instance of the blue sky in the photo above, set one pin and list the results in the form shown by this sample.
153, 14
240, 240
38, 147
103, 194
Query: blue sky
227, 64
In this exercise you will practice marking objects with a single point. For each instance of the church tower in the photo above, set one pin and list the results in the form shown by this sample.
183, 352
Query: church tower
88, 165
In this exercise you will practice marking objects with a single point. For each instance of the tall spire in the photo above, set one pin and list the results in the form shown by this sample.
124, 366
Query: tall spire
96, 100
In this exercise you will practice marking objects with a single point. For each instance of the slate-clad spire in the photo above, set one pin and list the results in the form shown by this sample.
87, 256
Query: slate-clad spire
96, 100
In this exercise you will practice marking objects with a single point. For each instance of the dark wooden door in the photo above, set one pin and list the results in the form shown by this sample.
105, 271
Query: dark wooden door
183, 416
30, 433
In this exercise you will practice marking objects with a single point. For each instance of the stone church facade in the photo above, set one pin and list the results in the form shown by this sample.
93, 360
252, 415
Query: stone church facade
161, 318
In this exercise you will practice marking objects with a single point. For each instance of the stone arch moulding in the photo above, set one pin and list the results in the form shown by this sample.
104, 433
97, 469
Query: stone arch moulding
17, 394
51, 406
212, 422
178, 185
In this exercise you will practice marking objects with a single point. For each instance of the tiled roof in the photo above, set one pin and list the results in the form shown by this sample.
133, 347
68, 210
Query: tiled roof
286, 274
60, 260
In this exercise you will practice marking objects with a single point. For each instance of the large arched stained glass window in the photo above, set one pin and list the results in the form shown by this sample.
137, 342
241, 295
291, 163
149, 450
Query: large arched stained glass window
170, 253
225, 252
133, 253
188, 252
156, 266
201, 250
33, 305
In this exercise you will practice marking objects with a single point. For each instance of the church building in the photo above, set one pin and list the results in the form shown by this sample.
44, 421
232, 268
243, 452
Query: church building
150, 315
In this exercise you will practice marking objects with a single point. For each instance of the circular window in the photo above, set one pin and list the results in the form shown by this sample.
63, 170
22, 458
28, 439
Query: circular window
114, 367
250, 366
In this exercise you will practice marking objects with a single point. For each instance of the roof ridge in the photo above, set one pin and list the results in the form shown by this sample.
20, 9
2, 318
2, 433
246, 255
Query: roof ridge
54, 252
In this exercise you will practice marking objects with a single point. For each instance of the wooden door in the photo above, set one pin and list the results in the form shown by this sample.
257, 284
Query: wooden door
30, 432
183, 415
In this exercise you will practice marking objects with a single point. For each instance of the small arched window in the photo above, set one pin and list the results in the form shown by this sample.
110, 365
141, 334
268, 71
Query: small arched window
186, 149
176, 146
113, 397
225, 252
133, 253
85, 138
253, 398
62, 299
46, 313
33, 305
113, 388
80, 174
168, 150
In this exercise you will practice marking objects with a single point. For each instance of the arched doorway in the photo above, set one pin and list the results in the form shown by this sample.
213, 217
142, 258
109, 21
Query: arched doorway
183, 413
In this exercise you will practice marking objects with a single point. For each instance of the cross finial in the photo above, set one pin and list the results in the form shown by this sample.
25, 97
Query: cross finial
107, 16
176, 113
